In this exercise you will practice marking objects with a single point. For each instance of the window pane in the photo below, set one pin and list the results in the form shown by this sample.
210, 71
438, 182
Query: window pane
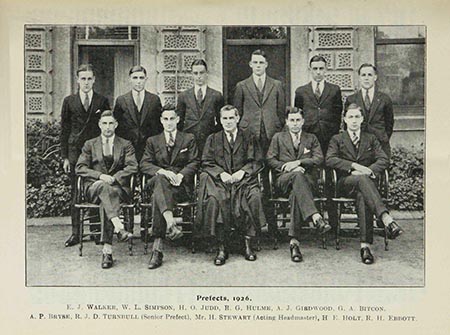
401, 73
387, 32
235, 33
106, 32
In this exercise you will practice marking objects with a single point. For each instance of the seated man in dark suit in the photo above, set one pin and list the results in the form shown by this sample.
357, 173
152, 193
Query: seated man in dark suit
107, 162
229, 192
293, 156
171, 160
359, 160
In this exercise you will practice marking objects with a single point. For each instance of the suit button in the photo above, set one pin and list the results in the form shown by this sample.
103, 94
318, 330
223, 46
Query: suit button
318, 108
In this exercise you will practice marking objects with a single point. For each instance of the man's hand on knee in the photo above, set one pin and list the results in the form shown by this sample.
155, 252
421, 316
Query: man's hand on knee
107, 179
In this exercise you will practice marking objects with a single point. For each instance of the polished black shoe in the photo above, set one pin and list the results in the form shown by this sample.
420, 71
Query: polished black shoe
107, 261
72, 240
123, 235
221, 257
366, 256
296, 255
156, 258
250, 255
393, 230
322, 226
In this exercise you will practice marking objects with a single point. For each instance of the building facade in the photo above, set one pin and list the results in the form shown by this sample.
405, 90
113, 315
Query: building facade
53, 53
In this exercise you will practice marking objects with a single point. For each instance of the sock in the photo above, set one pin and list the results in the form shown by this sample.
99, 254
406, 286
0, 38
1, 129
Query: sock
294, 241
386, 219
107, 249
157, 244
118, 225
365, 245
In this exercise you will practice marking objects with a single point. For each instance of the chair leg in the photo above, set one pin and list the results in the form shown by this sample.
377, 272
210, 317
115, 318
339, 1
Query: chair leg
338, 227
386, 243
81, 216
130, 227
147, 219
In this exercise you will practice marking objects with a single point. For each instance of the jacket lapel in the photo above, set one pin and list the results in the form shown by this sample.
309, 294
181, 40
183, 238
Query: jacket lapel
206, 101
131, 110
161, 143
374, 105
176, 148
301, 147
362, 145
310, 92
286, 139
192, 101
349, 145
144, 109
268, 88
98, 147
252, 89
238, 141
226, 148
326, 92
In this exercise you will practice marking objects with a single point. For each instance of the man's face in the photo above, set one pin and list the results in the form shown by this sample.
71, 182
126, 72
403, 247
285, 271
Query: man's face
138, 80
353, 119
367, 77
107, 125
199, 74
295, 122
258, 64
229, 120
86, 80
169, 120
318, 70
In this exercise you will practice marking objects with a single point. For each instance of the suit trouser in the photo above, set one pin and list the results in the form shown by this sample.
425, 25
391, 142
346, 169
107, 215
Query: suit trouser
368, 201
299, 186
165, 197
109, 198
74, 213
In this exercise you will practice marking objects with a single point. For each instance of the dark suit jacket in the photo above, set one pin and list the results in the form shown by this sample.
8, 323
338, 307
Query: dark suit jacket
200, 120
282, 150
379, 120
322, 117
271, 111
77, 125
342, 153
184, 158
138, 127
91, 163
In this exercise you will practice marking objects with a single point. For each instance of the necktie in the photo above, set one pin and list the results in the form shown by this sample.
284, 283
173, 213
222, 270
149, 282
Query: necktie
107, 148
86, 102
317, 92
138, 101
199, 96
171, 141
260, 84
355, 140
367, 100
296, 141
231, 140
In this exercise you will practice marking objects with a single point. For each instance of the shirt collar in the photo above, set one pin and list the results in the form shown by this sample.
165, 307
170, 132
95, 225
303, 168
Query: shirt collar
371, 92
256, 78
234, 133
167, 135
111, 139
90, 94
321, 85
350, 133
135, 93
203, 88
293, 135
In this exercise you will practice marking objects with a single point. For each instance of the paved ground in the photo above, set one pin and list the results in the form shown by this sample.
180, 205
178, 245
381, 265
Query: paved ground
50, 264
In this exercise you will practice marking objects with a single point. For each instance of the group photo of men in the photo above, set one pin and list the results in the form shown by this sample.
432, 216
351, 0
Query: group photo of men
226, 162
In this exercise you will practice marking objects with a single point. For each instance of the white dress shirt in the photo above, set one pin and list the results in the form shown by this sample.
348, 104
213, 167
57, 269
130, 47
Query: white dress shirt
321, 86
233, 133
167, 135
83, 96
141, 96
203, 88
371, 93
256, 78
110, 143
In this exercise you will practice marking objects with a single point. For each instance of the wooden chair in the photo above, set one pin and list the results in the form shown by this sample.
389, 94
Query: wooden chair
86, 208
383, 189
184, 210
282, 207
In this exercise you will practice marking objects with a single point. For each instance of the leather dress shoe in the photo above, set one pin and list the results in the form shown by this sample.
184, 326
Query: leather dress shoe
322, 226
221, 257
123, 235
296, 255
174, 233
366, 256
72, 240
250, 255
107, 261
394, 230
155, 259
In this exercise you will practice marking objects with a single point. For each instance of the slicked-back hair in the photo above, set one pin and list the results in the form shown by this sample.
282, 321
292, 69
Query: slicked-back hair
137, 68
293, 110
199, 62
353, 106
85, 67
108, 113
259, 52
169, 107
317, 58
367, 65
227, 108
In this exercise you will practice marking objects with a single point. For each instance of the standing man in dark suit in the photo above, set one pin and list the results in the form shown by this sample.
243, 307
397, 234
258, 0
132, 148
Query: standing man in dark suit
171, 160
199, 107
79, 122
261, 102
229, 192
293, 156
321, 103
107, 163
359, 160
138, 112
377, 107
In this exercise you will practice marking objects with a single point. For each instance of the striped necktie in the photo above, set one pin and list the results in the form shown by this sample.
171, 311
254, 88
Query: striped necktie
317, 91
355, 140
